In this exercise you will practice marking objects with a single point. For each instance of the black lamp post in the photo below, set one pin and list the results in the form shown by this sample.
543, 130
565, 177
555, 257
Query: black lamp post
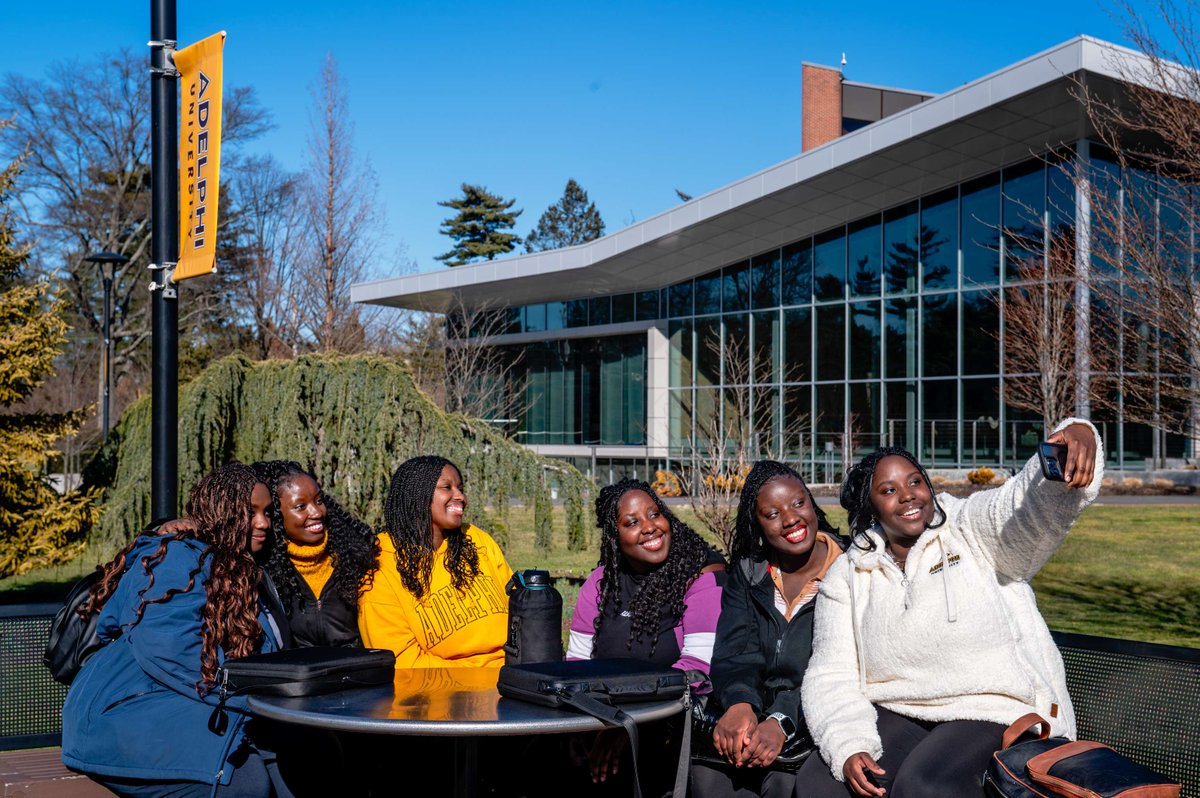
108, 262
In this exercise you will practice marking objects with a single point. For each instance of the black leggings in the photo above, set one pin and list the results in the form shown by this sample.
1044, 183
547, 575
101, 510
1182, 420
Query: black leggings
922, 760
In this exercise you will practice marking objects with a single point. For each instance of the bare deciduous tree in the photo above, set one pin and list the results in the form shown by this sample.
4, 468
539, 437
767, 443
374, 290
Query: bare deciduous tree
1039, 333
264, 225
1144, 228
340, 218
86, 188
731, 433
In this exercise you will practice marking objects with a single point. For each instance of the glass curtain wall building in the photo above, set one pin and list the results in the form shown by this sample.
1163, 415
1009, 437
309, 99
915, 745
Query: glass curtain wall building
861, 323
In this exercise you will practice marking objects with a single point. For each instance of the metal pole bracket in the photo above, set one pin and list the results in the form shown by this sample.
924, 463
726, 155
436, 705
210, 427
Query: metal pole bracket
168, 284
167, 48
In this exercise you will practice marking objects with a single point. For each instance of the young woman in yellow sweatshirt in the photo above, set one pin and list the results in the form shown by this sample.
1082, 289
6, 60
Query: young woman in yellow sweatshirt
438, 598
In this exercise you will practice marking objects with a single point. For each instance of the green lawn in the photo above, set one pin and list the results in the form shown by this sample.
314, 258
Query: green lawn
1130, 571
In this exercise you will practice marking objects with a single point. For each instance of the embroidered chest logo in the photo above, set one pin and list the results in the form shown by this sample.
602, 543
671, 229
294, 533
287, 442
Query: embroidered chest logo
954, 560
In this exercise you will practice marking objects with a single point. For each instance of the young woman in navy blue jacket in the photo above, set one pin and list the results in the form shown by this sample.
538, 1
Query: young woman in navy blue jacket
172, 607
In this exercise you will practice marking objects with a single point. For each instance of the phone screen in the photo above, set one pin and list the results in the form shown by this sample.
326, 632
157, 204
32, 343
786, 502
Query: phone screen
1054, 460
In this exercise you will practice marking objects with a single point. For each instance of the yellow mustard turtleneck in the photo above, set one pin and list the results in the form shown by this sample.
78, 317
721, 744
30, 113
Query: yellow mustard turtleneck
314, 565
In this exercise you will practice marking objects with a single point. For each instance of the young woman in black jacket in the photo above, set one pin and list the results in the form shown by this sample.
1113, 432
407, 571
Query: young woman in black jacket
320, 557
782, 547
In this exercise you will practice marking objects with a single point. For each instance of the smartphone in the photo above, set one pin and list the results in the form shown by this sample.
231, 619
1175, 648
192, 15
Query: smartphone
1054, 460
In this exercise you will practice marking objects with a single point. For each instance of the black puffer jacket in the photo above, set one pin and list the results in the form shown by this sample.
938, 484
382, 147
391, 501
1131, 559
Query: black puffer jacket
759, 657
328, 621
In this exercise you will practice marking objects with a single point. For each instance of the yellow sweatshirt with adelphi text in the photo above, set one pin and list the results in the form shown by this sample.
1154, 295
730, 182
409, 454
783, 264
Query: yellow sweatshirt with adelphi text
445, 628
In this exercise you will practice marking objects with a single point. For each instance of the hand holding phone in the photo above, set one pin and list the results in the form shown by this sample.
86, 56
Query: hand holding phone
1054, 460
1073, 454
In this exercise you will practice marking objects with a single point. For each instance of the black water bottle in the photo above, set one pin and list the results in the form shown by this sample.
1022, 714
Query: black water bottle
534, 619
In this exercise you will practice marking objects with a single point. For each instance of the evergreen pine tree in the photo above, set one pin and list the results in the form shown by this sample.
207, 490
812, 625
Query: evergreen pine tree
478, 229
37, 526
570, 221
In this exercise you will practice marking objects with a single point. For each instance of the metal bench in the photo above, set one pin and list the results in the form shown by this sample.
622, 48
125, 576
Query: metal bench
1139, 698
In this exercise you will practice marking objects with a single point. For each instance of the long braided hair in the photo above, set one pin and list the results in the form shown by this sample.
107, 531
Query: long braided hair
408, 522
220, 506
662, 590
855, 495
351, 544
748, 538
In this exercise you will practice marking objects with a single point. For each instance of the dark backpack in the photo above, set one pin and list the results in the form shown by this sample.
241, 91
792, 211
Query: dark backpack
72, 638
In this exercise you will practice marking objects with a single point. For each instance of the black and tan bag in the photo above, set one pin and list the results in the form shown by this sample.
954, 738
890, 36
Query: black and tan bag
1054, 768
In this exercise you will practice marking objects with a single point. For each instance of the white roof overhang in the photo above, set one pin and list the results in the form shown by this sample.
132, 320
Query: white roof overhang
1004, 117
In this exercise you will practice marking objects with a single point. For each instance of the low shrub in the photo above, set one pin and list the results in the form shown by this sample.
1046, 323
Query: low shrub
1132, 483
666, 483
981, 476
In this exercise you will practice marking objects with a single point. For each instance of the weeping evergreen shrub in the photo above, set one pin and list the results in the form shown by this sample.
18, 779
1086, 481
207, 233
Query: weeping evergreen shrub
352, 420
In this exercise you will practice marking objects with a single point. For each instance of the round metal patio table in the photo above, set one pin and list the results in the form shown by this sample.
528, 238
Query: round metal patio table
460, 703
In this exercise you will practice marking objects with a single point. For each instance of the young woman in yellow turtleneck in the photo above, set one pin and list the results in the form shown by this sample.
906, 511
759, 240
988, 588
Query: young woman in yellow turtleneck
321, 557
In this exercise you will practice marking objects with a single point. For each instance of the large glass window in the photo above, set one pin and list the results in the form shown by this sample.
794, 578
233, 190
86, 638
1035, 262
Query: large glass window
647, 306
575, 313
1024, 204
797, 350
735, 287
798, 419
901, 428
599, 310
939, 240
555, 316
737, 355
831, 342
680, 412
681, 299
901, 249
768, 347
940, 430
765, 280
535, 318
864, 340
623, 308
829, 265
900, 338
708, 293
981, 326
681, 353
796, 273
708, 351
940, 323
865, 413
864, 265
980, 225
981, 420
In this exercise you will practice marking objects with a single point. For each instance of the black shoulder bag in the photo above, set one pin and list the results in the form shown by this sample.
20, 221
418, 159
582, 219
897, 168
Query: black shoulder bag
596, 687
73, 638
298, 672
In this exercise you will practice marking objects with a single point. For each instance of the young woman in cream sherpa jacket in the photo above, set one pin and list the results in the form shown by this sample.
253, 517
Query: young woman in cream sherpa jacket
928, 641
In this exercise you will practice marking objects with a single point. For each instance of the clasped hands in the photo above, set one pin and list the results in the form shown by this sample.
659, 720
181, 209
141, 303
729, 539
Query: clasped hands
743, 741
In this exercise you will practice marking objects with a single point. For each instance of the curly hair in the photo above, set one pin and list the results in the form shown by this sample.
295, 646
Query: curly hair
662, 591
748, 538
409, 523
855, 495
351, 544
220, 506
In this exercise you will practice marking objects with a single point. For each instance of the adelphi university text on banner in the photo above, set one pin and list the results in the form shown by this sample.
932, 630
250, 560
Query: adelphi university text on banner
199, 154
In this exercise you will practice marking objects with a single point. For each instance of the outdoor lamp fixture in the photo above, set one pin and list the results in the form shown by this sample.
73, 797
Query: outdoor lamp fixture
108, 262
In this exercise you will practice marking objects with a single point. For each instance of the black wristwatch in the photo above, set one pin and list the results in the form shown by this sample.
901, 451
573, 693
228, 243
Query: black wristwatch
787, 724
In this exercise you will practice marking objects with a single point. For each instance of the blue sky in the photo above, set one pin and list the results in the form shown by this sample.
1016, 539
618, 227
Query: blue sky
632, 99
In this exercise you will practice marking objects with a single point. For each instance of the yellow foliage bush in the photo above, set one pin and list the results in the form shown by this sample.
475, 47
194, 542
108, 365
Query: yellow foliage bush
666, 483
1131, 483
981, 476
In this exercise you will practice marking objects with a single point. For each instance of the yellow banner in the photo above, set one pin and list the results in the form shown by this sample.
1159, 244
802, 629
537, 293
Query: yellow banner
199, 155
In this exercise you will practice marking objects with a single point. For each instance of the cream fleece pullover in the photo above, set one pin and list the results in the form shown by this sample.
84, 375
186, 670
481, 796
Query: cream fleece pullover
957, 635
